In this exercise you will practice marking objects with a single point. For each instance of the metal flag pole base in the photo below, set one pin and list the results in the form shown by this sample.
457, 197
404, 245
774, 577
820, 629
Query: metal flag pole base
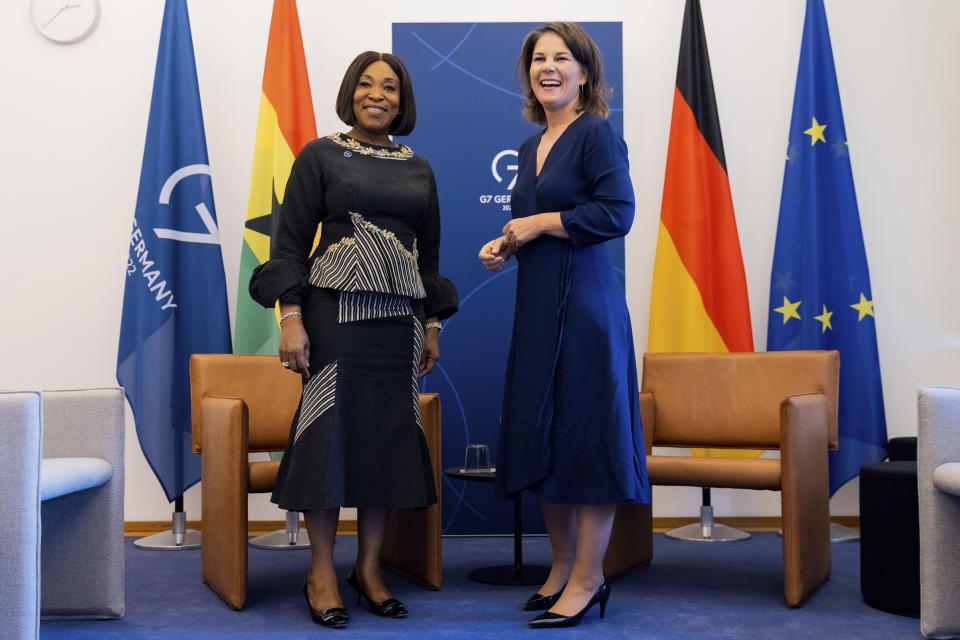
706, 530
839, 533
177, 539
288, 538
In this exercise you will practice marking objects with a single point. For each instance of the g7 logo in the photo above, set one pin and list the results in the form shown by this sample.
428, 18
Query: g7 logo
213, 234
510, 167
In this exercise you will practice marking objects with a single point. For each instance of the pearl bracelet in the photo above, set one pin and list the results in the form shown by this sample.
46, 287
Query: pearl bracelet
433, 325
288, 314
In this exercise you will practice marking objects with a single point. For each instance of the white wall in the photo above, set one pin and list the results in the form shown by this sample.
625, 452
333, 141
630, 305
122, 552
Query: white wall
74, 119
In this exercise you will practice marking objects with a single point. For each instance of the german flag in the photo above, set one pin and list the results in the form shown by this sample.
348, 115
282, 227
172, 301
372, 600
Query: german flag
285, 123
699, 299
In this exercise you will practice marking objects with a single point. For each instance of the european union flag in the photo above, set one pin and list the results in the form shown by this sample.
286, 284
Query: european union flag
175, 297
820, 294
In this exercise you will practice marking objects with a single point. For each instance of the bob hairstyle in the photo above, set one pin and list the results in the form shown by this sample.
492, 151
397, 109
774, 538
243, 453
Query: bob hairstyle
594, 91
405, 120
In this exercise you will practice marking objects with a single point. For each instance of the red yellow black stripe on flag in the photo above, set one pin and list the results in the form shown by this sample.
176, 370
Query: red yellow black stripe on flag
699, 294
285, 123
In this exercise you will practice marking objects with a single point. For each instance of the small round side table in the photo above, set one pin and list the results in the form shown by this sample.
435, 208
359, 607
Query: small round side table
517, 574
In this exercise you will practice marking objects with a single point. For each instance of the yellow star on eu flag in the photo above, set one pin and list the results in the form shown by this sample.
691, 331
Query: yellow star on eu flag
864, 307
824, 319
816, 132
789, 310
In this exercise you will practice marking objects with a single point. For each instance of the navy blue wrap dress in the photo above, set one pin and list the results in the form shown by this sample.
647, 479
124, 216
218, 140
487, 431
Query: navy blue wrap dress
570, 427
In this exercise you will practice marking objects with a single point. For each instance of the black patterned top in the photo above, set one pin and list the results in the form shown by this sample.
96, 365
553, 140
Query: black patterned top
380, 227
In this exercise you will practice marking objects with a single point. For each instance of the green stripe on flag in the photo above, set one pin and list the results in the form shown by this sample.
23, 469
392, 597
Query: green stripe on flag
256, 331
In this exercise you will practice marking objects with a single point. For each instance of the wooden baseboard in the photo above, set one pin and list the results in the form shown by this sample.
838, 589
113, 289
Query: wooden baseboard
259, 527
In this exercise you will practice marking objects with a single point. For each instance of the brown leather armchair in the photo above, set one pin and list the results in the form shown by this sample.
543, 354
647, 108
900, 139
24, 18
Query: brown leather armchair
784, 400
243, 404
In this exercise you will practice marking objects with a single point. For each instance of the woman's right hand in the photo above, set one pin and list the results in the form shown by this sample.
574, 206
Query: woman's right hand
495, 253
295, 346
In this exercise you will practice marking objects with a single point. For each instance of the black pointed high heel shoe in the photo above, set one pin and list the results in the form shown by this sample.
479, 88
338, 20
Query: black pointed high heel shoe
550, 620
335, 617
389, 608
538, 602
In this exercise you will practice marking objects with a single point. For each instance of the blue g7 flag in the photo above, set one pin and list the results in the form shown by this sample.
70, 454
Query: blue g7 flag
175, 297
820, 288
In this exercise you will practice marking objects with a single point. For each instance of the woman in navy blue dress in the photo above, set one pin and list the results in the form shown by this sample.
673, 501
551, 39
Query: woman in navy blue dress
570, 428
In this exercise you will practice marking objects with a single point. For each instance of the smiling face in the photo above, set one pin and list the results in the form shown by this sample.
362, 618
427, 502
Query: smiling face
376, 100
555, 75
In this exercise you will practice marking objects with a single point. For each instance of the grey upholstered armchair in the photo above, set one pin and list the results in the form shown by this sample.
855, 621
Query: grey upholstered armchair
61, 469
938, 478
21, 417
81, 568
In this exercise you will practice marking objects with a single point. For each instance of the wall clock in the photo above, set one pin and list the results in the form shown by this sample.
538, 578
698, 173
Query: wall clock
66, 21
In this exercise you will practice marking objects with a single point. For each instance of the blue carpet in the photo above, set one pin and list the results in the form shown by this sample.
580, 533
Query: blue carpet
730, 590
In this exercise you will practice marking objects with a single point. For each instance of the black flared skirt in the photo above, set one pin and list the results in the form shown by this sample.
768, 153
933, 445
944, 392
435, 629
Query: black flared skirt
356, 439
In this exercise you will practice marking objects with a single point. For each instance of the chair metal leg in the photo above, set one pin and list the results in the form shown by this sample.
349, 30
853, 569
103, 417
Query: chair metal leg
706, 530
287, 538
177, 539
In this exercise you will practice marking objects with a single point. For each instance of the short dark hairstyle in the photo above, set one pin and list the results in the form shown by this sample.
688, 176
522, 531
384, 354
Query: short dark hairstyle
585, 51
402, 124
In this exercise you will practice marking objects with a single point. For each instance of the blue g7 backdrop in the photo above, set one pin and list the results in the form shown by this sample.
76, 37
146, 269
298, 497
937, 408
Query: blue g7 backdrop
469, 126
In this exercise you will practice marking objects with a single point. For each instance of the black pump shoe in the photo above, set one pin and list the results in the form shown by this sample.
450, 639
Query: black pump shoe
550, 620
538, 602
335, 617
389, 608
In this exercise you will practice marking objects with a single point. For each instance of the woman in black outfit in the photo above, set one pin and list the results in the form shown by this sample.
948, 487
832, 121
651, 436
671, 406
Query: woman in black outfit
360, 320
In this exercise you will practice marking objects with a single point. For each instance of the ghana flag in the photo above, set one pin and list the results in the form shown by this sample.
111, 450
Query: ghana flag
699, 300
285, 124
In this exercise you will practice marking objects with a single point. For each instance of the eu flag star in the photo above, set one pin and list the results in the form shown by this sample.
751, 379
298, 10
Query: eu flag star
783, 281
789, 310
864, 307
824, 319
840, 148
816, 132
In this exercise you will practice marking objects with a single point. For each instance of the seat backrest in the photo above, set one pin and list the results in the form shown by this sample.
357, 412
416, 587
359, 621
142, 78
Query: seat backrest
270, 392
733, 399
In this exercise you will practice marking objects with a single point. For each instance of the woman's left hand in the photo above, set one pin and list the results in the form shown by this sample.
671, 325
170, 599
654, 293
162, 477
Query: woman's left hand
522, 230
431, 351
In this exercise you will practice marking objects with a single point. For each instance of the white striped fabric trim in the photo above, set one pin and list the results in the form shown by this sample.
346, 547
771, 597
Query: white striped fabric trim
373, 260
319, 395
417, 348
356, 306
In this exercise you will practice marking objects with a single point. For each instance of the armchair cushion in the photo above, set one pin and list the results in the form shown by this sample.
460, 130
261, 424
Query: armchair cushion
60, 476
730, 473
